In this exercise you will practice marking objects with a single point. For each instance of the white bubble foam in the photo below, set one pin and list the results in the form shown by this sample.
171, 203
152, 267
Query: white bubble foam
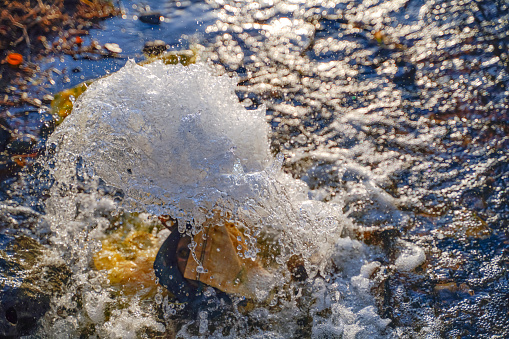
175, 140
156, 131
410, 258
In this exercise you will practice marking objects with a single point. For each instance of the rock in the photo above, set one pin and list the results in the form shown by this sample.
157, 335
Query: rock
154, 48
23, 144
128, 253
113, 48
153, 18
26, 284
5, 134
184, 57
62, 103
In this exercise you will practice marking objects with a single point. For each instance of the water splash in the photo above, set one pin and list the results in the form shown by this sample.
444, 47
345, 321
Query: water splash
175, 140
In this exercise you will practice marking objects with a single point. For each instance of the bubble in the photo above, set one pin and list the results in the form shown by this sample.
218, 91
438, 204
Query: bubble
200, 269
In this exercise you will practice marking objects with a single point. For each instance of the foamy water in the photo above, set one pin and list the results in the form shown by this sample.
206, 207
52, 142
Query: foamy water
175, 140
392, 112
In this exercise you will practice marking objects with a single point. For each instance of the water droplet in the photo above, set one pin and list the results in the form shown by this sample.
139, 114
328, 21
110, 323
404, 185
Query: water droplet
201, 269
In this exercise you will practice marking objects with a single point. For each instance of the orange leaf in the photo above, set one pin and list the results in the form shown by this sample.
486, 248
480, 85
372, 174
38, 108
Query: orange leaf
14, 59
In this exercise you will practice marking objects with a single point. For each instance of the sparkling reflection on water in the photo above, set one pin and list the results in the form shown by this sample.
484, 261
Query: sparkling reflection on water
403, 99
400, 110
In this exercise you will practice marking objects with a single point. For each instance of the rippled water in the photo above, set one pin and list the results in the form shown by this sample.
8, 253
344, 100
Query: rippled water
401, 109
396, 111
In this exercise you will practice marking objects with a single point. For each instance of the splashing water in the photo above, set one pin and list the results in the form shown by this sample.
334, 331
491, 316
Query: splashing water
166, 141
174, 140
394, 112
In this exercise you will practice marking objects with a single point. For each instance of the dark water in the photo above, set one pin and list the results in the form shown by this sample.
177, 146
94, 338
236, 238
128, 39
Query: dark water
400, 108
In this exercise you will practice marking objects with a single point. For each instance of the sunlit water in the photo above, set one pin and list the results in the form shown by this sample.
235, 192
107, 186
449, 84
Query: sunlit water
389, 120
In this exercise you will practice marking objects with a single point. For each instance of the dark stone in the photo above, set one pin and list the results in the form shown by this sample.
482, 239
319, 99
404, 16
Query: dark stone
153, 18
297, 269
154, 48
22, 145
27, 284
47, 125
5, 134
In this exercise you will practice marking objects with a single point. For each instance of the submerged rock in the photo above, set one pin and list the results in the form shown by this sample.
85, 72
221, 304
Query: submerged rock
128, 252
28, 280
153, 18
62, 103
154, 48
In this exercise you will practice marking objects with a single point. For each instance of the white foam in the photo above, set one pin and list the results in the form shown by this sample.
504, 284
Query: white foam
164, 133
410, 258
175, 140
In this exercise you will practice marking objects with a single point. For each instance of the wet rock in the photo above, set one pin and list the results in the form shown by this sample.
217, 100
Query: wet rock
154, 48
153, 18
386, 238
297, 269
113, 48
62, 103
26, 284
184, 57
5, 134
22, 145
128, 253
